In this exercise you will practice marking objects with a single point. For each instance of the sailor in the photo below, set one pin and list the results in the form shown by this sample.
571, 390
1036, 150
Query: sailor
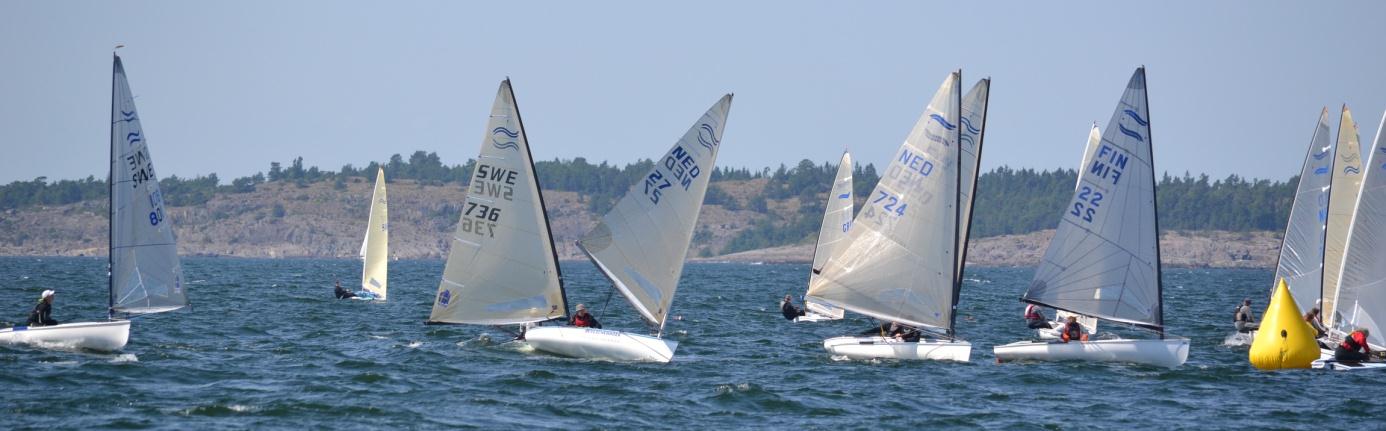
342, 293
1244, 320
1034, 319
789, 310
1354, 347
1072, 330
902, 333
43, 311
1312, 317
583, 319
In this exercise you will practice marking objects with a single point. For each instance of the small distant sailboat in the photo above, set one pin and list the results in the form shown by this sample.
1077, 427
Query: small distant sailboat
901, 262
1361, 295
375, 247
1104, 260
641, 244
837, 220
502, 268
144, 275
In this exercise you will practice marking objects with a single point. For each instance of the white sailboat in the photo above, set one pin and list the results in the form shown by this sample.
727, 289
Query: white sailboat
1361, 292
375, 247
640, 246
901, 261
502, 268
144, 274
1104, 260
837, 220
1089, 324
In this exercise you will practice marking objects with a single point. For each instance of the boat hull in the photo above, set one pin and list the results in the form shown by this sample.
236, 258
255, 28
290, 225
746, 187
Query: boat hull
1326, 362
814, 317
589, 343
103, 336
1168, 352
889, 348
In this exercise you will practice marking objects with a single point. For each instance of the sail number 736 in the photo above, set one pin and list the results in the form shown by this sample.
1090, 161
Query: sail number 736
1086, 205
480, 219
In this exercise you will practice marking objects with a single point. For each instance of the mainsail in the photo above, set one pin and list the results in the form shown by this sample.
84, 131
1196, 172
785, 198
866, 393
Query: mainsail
145, 276
900, 261
837, 220
1301, 253
501, 268
1342, 202
375, 249
1104, 259
640, 245
1362, 285
974, 124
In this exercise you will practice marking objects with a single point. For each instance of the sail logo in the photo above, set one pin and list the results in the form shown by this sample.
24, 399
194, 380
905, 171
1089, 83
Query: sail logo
1383, 150
1131, 133
1321, 170
845, 196
968, 125
1321, 154
129, 116
133, 137
1137, 117
1351, 170
940, 120
508, 139
707, 136
444, 297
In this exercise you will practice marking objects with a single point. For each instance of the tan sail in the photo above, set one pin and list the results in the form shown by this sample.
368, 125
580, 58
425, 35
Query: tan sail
1342, 204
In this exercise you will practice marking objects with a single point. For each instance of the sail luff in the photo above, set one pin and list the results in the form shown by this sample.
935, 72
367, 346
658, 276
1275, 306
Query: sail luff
1300, 261
642, 242
1154, 208
1342, 203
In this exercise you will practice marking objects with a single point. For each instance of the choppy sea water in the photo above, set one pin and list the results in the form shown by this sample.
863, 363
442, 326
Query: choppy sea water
266, 346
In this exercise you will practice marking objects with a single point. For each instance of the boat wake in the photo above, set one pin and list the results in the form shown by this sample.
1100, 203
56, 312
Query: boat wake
1237, 339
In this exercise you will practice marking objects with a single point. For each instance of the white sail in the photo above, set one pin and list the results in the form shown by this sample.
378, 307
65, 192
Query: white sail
1301, 253
900, 262
837, 220
1362, 285
1104, 258
501, 266
1342, 203
974, 124
145, 274
640, 245
1094, 138
375, 251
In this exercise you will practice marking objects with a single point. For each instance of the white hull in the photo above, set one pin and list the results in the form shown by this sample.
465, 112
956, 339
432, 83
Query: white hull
1169, 352
1326, 362
104, 336
591, 343
889, 348
814, 317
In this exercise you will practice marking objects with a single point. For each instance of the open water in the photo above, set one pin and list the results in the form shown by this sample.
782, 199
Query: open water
266, 346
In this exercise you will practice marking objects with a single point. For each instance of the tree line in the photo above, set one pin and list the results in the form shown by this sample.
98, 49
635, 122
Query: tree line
1009, 200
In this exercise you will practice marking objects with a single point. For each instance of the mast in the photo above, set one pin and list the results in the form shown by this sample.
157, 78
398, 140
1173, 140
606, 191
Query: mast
110, 196
1154, 199
957, 205
553, 249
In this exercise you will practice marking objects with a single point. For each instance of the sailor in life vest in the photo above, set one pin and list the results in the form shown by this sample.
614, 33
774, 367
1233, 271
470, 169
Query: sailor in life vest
583, 319
1072, 331
1354, 347
1034, 319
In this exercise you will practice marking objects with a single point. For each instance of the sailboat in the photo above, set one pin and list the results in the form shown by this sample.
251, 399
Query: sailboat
901, 261
1104, 259
502, 268
1342, 205
837, 220
1361, 280
1089, 324
640, 246
375, 247
144, 275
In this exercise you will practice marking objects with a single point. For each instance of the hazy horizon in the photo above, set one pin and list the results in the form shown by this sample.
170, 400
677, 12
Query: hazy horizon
226, 88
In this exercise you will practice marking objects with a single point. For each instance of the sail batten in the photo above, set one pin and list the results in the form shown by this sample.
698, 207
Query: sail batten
146, 276
900, 261
1104, 258
501, 267
642, 242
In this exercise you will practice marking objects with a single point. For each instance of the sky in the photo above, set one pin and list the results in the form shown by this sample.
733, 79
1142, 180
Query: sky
227, 87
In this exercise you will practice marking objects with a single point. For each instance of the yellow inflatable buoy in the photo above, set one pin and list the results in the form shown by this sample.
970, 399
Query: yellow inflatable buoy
1284, 339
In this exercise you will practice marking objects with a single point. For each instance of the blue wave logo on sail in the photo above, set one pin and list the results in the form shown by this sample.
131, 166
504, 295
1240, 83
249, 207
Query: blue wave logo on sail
132, 138
1129, 132
1137, 117
844, 196
1351, 170
1324, 153
508, 144
1321, 170
942, 121
707, 136
968, 125
129, 116
967, 139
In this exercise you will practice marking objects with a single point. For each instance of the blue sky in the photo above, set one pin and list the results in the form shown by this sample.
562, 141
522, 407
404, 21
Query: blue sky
227, 87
